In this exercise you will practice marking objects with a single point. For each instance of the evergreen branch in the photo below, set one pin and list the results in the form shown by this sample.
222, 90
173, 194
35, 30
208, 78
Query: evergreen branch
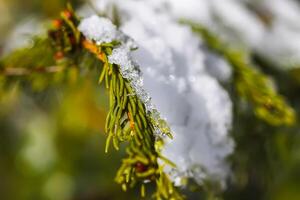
39, 54
39, 64
127, 119
250, 83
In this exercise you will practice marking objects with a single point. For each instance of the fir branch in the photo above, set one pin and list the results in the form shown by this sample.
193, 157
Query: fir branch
250, 83
127, 119
39, 54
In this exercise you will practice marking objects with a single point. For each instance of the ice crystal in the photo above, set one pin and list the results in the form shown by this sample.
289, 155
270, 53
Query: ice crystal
121, 56
129, 69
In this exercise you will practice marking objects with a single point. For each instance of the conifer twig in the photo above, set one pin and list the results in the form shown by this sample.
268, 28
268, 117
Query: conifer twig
128, 119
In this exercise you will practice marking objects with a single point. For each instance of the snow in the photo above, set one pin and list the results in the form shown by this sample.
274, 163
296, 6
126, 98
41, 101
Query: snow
284, 11
175, 76
130, 70
236, 23
281, 47
121, 56
241, 27
190, 9
217, 67
280, 44
202, 140
98, 29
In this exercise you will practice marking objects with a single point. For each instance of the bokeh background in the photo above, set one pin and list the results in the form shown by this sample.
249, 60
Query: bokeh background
52, 142
52, 138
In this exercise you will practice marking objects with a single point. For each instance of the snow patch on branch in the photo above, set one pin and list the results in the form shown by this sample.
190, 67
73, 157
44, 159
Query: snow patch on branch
175, 78
129, 69
98, 29
196, 107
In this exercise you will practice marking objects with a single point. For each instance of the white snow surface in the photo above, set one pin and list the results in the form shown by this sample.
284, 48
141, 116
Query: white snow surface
98, 29
241, 27
175, 76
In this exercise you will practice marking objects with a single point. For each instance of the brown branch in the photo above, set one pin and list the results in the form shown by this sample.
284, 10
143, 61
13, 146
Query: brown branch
15, 71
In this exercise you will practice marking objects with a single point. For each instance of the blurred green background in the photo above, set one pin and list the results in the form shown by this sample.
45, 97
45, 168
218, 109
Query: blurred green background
52, 142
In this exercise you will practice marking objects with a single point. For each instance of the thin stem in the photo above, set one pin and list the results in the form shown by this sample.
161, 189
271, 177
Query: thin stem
15, 71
